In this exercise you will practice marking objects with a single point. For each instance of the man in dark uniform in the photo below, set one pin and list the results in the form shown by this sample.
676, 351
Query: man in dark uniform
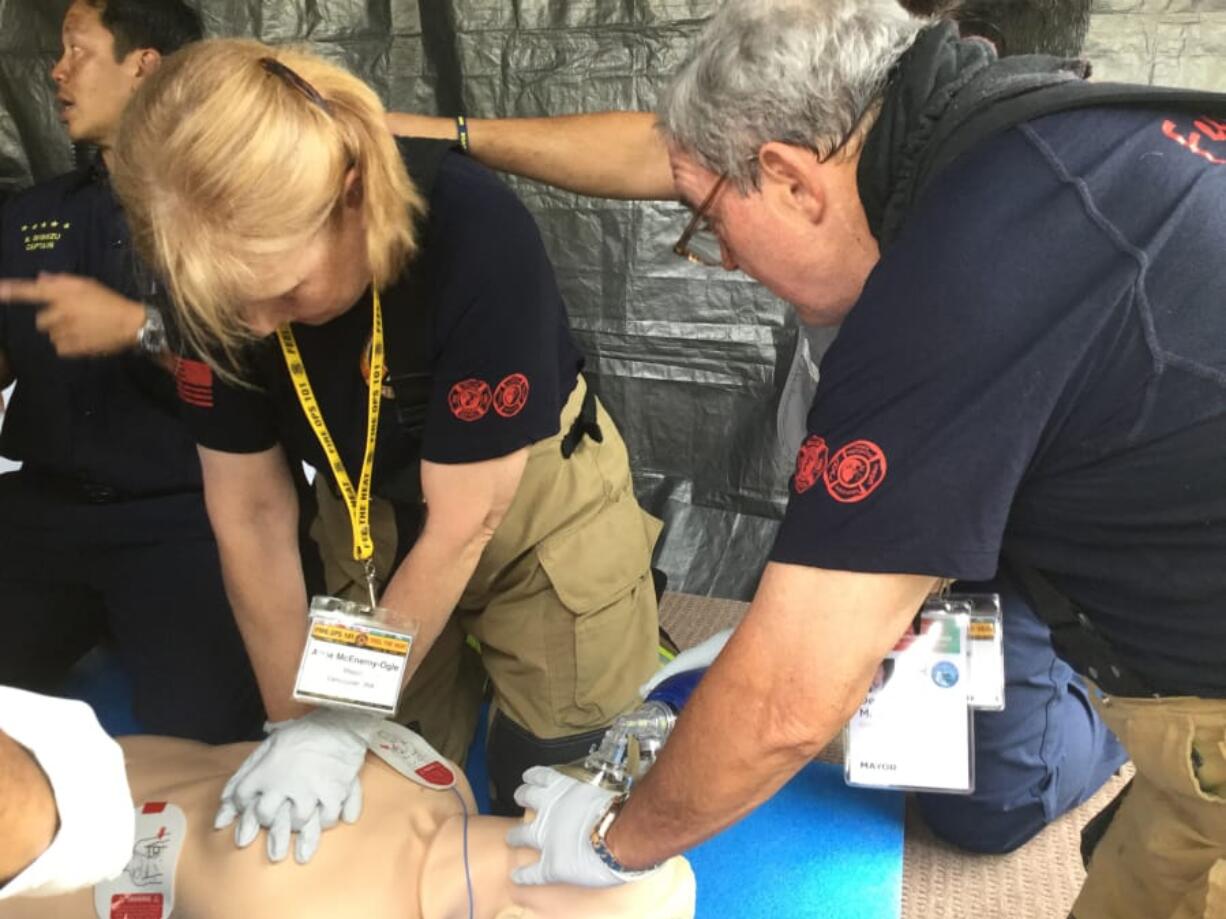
1029, 371
1048, 751
103, 531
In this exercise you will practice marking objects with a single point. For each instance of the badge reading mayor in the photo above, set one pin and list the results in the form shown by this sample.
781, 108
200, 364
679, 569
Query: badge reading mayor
353, 658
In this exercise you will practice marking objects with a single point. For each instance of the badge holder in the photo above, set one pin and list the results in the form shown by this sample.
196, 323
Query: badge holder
353, 658
914, 731
985, 645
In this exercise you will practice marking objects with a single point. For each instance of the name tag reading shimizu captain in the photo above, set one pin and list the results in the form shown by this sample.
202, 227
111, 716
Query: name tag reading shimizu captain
353, 658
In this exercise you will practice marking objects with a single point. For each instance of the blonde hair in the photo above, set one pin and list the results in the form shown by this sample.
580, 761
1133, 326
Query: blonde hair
225, 165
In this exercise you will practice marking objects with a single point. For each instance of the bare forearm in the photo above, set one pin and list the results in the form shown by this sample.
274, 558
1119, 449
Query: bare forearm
604, 154
27, 809
787, 681
429, 582
465, 505
253, 509
726, 736
267, 591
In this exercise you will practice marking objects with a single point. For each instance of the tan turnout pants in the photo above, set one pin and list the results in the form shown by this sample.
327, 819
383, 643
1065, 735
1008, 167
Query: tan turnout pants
1164, 854
562, 601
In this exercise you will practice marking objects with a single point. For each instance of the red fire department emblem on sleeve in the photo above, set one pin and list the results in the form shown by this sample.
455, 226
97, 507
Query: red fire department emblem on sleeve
511, 395
854, 471
810, 463
469, 399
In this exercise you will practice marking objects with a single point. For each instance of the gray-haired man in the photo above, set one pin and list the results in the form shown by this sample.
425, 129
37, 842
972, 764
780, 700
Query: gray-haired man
1048, 751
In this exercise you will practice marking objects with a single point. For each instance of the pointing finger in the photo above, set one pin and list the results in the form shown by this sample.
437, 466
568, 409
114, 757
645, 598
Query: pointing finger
14, 290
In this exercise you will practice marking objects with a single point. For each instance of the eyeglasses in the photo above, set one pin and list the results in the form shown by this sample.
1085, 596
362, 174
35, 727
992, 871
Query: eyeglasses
699, 242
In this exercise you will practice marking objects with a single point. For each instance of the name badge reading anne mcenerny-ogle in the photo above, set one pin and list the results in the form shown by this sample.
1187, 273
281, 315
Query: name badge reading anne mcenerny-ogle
352, 658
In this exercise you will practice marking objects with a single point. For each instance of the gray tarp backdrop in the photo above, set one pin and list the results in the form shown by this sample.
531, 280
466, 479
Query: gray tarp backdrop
691, 362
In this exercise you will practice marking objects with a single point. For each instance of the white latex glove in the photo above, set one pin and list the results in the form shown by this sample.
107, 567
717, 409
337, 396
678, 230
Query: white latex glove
302, 779
561, 829
695, 658
86, 772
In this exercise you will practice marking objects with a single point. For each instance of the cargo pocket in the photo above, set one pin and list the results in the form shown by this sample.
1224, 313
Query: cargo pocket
600, 571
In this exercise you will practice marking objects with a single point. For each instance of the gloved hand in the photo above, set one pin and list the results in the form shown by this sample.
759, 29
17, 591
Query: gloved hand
85, 770
566, 813
695, 658
302, 779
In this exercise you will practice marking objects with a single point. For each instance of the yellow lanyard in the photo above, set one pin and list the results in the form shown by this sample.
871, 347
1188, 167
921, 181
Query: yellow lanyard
357, 502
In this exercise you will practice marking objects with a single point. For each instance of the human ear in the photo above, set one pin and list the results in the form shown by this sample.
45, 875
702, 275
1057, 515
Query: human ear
147, 61
791, 179
353, 187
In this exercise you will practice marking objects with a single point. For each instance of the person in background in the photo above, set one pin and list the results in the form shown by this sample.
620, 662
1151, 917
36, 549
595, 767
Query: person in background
103, 533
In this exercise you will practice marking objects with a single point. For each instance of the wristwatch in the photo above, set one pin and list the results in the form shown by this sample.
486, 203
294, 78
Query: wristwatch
602, 850
151, 337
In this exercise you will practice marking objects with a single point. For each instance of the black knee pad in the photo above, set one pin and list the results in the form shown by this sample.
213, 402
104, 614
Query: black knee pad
1092, 833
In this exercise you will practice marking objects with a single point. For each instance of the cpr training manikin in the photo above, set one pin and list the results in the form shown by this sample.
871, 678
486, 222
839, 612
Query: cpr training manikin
405, 857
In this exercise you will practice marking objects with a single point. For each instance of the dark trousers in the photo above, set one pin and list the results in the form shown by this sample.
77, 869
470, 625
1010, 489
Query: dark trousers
1047, 752
142, 575
511, 750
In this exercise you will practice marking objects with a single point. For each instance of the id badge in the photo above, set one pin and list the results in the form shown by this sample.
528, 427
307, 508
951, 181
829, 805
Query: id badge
914, 729
352, 658
985, 645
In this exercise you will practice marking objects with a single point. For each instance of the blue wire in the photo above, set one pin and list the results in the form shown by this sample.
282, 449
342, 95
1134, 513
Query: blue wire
468, 878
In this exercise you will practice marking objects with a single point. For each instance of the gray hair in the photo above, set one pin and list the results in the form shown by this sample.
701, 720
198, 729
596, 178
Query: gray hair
803, 72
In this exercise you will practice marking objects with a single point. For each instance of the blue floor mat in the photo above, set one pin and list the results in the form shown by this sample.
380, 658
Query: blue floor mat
817, 849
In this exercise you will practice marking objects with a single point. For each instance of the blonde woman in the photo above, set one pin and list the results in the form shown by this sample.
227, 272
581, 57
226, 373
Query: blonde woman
265, 188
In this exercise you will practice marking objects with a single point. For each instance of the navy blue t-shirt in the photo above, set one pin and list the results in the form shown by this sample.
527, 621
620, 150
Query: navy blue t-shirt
1038, 366
501, 361
111, 421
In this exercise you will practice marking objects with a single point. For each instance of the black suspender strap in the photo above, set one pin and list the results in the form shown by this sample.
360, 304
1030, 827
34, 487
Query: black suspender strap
1076, 639
585, 426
